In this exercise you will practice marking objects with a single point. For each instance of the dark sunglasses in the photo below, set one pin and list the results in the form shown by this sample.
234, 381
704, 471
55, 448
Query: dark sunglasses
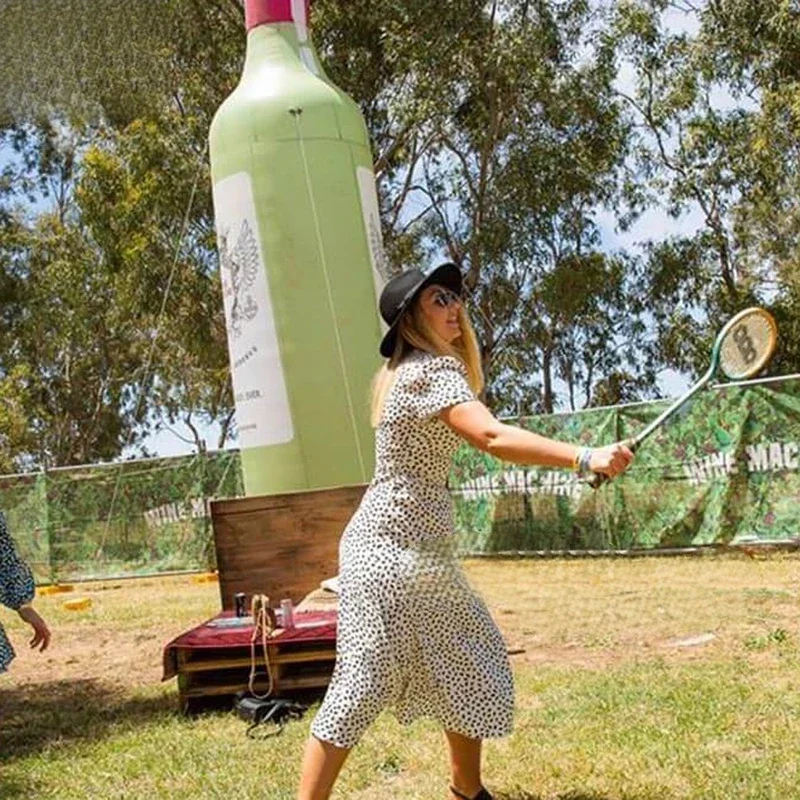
444, 298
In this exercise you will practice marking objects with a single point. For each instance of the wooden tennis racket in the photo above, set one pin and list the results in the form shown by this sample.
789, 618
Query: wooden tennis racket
743, 348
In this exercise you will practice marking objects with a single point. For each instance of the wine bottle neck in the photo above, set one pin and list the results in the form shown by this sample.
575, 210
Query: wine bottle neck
277, 31
264, 12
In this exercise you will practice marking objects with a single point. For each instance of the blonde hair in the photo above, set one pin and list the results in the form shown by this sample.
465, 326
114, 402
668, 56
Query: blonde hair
414, 332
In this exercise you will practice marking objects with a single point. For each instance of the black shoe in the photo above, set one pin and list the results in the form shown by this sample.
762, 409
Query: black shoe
482, 795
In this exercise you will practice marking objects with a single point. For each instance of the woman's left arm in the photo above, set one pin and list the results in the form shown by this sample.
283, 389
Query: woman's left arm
475, 423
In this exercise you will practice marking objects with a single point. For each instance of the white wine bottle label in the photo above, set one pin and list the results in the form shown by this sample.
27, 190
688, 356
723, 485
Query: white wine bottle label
263, 416
372, 224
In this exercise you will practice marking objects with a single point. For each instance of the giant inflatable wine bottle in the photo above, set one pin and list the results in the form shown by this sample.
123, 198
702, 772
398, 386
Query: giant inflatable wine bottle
300, 259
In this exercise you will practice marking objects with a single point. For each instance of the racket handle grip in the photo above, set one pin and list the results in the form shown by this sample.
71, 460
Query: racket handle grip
598, 479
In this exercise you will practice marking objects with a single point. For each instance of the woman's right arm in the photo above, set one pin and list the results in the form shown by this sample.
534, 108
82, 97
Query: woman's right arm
475, 423
41, 633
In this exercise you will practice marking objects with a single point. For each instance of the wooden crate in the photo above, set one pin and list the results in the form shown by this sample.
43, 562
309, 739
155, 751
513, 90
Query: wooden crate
281, 545
222, 672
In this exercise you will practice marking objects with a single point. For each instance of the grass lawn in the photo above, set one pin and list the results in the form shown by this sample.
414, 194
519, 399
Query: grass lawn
647, 679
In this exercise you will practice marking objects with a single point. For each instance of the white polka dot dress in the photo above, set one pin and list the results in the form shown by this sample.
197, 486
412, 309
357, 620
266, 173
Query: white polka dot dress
412, 633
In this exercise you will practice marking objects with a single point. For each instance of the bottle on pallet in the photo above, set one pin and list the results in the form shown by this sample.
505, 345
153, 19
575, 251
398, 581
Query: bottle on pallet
301, 260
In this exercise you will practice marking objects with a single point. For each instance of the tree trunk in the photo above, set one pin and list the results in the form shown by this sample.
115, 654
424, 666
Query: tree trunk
547, 379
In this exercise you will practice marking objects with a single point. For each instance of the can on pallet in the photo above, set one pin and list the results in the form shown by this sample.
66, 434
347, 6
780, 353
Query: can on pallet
287, 613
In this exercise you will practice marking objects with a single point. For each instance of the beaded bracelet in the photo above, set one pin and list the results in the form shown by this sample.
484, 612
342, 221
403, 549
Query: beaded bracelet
583, 460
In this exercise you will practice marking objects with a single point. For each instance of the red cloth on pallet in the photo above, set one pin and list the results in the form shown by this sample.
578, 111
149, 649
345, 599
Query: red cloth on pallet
310, 626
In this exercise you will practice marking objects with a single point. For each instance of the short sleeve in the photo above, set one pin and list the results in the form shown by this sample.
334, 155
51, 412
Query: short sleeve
16, 580
441, 383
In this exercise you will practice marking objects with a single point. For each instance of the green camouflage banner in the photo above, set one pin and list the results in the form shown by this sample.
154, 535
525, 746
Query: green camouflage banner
725, 469
23, 500
132, 518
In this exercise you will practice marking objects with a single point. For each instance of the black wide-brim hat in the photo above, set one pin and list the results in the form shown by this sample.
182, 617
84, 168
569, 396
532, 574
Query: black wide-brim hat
400, 291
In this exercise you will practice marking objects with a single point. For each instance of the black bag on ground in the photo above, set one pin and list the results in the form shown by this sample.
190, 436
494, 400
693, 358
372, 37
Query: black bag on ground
272, 710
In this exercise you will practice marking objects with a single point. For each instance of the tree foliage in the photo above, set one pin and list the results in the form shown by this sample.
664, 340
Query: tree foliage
505, 134
717, 114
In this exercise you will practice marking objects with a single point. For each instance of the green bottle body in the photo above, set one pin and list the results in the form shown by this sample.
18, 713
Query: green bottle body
301, 263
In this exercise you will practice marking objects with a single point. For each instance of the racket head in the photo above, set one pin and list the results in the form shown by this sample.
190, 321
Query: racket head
746, 343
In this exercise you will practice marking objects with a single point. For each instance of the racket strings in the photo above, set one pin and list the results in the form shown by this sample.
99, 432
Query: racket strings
748, 344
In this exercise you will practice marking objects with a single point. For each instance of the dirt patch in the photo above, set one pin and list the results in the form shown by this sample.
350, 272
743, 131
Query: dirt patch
119, 640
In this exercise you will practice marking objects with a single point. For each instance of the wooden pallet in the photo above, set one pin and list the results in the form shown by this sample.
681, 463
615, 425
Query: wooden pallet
222, 672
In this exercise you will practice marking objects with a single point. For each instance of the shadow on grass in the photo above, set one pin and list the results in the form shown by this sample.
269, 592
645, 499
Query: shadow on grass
35, 716
567, 796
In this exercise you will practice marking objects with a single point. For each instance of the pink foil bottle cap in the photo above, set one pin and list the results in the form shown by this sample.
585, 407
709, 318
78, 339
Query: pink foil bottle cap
259, 12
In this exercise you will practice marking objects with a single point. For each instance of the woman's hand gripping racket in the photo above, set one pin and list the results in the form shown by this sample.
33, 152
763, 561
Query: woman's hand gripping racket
742, 349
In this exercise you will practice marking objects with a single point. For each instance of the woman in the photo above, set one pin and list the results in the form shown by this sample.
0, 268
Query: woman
16, 592
412, 633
